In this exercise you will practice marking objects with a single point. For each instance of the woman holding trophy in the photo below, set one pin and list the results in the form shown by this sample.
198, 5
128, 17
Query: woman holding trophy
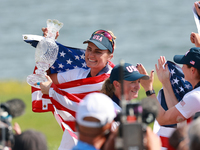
97, 55
79, 82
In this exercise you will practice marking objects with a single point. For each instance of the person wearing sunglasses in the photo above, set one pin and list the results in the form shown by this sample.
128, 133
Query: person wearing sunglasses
98, 54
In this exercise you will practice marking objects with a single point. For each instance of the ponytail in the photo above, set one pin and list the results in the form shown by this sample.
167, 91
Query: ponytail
108, 88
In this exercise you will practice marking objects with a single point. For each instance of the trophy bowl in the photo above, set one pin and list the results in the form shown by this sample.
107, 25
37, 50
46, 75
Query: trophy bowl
45, 54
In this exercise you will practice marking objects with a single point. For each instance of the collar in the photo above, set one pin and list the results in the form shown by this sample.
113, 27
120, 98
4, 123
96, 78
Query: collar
197, 85
115, 99
104, 70
82, 146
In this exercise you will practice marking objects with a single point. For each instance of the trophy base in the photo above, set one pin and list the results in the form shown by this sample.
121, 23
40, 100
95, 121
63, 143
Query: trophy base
34, 78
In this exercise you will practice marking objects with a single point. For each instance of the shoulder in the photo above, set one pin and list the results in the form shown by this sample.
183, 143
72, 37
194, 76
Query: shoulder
195, 93
190, 104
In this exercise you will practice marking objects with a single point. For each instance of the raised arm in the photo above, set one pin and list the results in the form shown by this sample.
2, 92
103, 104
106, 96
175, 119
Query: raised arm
195, 39
52, 76
171, 116
196, 5
164, 77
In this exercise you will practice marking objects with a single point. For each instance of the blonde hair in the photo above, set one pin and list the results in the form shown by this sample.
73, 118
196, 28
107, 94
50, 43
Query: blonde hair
114, 37
108, 88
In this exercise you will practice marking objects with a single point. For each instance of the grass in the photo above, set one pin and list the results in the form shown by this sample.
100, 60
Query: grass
43, 122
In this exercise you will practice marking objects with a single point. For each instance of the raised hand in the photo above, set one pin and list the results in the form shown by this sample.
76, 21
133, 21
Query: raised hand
162, 70
195, 39
146, 84
45, 86
45, 31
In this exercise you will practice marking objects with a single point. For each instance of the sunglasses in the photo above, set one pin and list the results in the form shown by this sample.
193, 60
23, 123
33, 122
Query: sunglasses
107, 35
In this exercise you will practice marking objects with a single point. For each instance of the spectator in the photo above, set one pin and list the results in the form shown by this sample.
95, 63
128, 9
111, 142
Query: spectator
30, 140
179, 140
194, 135
94, 118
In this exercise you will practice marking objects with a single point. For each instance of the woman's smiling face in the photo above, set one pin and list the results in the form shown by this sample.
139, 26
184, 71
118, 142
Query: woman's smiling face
131, 89
96, 58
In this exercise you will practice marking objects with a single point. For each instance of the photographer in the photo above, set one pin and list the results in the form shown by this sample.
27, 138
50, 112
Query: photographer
8, 110
26, 140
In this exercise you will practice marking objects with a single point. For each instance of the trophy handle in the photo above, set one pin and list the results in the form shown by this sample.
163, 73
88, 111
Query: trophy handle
34, 78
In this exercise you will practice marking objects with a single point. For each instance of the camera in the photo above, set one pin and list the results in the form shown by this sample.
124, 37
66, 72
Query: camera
134, 119
8, 110
6, 133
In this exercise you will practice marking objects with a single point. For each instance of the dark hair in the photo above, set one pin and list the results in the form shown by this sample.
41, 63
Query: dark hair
30, 140
198, 70
177, 137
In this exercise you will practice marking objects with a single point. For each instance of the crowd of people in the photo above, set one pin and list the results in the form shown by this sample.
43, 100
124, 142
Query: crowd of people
95, 113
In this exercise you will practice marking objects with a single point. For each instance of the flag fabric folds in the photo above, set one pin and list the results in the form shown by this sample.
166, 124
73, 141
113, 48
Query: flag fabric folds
69, 93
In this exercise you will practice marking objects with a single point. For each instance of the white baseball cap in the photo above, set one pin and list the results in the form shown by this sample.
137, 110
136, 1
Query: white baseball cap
96, 105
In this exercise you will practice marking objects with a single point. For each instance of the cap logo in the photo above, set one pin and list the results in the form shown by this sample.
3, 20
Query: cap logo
192, 62
131, 68
97, 37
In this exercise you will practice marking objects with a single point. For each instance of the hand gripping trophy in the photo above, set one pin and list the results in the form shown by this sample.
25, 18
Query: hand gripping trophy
45, 54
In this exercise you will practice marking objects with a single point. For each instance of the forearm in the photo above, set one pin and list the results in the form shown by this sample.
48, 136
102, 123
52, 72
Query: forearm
163, 117
161, 112
171, 116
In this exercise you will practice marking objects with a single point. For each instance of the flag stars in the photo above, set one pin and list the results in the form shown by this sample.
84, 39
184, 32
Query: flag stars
84, 64
75, 67
69, 51
187, 86
62, 54
60, 65
172, 72
69, 61
181, 89
176, 81
183, 79
177, 91
76, 57
82, 56
53, 67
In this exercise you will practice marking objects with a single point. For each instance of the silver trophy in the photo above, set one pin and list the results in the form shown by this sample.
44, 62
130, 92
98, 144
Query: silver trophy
45, 54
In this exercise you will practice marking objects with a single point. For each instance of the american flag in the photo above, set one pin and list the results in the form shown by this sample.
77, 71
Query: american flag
68, 94
192, 62
180, 87
179, 84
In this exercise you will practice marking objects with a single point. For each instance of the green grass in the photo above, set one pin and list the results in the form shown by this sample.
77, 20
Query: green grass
43, 122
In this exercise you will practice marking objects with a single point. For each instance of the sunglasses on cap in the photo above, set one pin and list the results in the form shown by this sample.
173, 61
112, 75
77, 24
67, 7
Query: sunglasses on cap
107, 35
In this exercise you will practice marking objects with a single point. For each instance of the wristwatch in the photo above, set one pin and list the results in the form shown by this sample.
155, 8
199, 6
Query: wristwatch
150, 92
